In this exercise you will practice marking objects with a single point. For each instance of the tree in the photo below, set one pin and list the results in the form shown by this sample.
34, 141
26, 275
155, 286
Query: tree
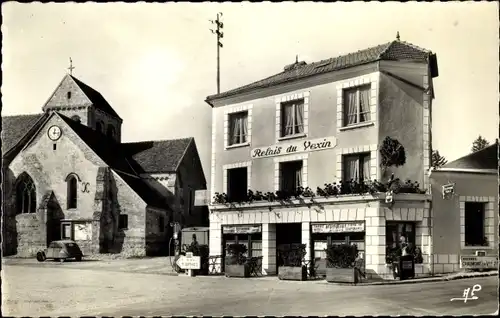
479, 144
437, 160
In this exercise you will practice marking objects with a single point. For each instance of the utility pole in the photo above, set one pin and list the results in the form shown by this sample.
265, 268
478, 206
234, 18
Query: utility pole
220, 35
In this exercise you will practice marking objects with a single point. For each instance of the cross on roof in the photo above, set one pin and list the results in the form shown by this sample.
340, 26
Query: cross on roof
71, 67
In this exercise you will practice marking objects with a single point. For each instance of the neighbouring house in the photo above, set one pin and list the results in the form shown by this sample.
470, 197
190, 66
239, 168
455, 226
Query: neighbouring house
66, 174
465, 209
299, 131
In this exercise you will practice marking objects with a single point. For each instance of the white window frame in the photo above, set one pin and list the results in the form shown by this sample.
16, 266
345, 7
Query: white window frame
358, 155
369, 79
234, 110
246, 164
374, 159
299, 157
305, 96
489, 221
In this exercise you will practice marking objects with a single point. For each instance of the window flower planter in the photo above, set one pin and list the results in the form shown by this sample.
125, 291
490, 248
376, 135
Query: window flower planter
342, 264
235, 264
237, 270
293, 268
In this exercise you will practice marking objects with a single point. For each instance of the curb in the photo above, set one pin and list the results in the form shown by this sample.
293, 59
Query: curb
431, 279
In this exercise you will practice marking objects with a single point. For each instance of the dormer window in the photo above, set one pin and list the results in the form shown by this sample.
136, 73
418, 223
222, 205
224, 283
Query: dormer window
68, 95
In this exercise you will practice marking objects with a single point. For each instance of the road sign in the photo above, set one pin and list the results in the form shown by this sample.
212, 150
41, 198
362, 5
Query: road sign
189, 261
478, 262
201, 198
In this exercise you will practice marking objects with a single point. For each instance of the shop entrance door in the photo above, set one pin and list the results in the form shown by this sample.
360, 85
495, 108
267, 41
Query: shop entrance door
288, 235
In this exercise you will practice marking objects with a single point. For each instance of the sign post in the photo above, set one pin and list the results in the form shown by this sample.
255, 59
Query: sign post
190, 263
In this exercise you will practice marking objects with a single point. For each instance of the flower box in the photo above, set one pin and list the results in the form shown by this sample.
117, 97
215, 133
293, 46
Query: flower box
292, 273
242, 270
342, 275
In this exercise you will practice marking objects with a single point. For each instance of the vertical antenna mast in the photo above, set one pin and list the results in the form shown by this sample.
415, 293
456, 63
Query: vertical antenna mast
220, 35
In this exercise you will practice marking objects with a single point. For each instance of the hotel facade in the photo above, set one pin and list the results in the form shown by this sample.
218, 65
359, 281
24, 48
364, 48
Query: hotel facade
316, 124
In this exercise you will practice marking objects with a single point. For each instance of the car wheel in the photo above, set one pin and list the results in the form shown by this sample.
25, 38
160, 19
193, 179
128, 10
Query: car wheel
40, 256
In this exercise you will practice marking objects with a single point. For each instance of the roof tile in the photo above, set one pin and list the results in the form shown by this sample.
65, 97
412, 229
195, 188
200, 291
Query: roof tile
14, 128
486, 159
395, 50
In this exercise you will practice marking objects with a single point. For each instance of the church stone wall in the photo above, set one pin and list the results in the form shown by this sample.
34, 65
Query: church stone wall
130, 241
156, 237
108, 120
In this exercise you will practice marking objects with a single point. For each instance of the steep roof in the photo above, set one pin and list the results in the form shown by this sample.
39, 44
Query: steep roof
14, 128
106, 148
95, 97
395, 50
485, 159
145, 191
158, 156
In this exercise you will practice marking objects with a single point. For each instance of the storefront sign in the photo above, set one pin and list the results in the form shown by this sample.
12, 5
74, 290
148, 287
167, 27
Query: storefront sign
83, 231
338, 227
242, 229
478, 262
294, 147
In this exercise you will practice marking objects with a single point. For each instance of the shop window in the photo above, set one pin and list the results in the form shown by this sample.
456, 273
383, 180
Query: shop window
292, 118
71, 185
123, 222
25, 194
356, 167
290, 176
356, 105
161, 224
474, 224
399, 235
238, 128
253, 242
237, 184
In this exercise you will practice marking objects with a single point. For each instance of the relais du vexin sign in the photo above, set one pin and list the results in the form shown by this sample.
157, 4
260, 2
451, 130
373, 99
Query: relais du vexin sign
290, 148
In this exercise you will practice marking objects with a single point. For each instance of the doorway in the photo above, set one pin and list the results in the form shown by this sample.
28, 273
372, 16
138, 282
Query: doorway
288, 235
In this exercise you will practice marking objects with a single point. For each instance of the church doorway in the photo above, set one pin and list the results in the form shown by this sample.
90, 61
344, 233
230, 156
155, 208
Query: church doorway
54, 217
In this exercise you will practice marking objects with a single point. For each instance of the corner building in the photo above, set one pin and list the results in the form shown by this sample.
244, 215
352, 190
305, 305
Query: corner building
320, 123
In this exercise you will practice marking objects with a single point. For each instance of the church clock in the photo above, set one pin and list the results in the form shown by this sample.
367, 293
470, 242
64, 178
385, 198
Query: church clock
54, 133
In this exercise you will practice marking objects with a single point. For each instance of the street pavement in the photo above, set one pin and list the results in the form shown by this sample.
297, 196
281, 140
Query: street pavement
60, 290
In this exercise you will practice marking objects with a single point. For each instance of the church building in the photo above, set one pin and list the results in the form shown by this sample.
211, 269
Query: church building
66, 174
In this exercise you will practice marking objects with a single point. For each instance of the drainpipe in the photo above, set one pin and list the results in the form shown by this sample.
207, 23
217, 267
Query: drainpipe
431, 221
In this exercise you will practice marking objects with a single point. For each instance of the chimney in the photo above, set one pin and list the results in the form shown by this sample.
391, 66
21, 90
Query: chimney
294, 66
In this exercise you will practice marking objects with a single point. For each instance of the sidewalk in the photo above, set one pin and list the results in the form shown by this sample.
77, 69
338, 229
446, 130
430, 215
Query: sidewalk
444, 277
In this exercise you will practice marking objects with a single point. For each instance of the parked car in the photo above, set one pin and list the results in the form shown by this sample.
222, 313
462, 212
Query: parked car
60, 251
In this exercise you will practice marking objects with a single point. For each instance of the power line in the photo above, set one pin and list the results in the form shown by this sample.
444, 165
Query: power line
220, 35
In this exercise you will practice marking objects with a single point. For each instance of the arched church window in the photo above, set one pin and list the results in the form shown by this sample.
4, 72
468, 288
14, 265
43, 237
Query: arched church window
72, 193
25, 194
76, 118
111, 131
99, 126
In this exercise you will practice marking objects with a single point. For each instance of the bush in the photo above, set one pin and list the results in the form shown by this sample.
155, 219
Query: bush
293, 257
341, 255
236, 254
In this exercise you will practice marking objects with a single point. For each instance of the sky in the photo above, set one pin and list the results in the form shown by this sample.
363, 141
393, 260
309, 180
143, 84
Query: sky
156, 63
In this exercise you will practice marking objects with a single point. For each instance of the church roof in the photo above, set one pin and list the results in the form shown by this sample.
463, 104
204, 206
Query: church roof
485, 159
106, 148
95, 97
145, 191
392, 51
15, 128
160, 155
